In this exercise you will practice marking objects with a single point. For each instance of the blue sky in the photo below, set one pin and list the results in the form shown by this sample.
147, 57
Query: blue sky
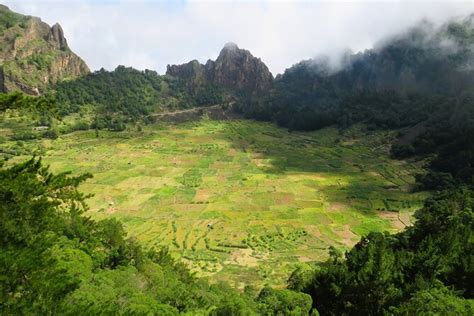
152, 34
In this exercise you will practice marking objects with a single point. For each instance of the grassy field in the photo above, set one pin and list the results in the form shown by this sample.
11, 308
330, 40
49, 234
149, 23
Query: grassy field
240, 201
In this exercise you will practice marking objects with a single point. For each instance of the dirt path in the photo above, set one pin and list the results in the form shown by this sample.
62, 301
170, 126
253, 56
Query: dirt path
214, 112
197, 109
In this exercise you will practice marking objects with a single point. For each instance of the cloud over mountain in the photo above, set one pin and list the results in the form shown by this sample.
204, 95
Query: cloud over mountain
148, 34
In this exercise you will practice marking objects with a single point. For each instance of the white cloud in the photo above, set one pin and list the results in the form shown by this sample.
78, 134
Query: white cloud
151, 34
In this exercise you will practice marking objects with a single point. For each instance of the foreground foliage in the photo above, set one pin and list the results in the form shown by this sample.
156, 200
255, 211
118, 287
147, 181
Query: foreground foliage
54, 260
428, 269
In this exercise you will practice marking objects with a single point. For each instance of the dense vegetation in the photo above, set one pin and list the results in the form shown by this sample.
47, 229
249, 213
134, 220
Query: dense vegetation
10, 19
424, 61
18, 100
126, 95
119, 96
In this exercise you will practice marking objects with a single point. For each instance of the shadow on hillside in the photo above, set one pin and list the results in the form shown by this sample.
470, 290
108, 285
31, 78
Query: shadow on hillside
349, 173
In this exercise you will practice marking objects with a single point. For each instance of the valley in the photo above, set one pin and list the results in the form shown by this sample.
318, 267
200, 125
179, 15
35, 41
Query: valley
179, 175
238, 200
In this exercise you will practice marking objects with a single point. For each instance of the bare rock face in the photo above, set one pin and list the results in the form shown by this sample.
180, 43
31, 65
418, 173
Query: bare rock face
56, 35
193, 73
186, 71
235, 70
33, 54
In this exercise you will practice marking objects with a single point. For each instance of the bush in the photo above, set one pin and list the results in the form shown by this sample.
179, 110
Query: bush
24, 135
402, 150
283, 302
51, 133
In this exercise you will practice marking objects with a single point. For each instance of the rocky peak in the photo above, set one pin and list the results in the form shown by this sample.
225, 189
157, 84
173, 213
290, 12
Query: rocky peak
33, 54
235, 70
230, 50
193, 73
185, 71
56, 35
230, 46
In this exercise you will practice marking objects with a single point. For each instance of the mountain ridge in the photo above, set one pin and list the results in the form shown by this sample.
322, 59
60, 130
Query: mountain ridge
235, 71
33, 54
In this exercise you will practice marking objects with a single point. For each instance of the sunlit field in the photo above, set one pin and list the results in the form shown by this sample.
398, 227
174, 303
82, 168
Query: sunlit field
241, 201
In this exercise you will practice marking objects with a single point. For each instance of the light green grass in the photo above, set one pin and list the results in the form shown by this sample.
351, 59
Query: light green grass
240, 201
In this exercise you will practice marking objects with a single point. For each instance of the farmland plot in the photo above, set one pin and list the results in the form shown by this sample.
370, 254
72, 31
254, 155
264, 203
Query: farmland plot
241, 201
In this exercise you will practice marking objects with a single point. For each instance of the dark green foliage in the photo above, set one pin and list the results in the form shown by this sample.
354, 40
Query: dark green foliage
207, 95
435, 180
448, 134
19, 100
51, 133
438, 300
283, 302
37, 209
108, 122
124, 92
38, 116
10, 19
385, 272
402, 150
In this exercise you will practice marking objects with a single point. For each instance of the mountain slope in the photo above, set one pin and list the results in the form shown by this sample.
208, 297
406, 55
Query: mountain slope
128, 94
33, 54
420, 82
386, 87
425, 60
125, 91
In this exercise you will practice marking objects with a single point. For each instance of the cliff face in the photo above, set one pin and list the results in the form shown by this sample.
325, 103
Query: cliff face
194, 75
235, 71
33, 54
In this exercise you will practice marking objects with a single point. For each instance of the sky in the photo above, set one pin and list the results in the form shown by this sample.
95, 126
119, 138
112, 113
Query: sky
151, 34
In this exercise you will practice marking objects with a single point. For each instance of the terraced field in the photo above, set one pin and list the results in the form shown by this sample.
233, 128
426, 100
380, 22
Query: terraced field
241, 201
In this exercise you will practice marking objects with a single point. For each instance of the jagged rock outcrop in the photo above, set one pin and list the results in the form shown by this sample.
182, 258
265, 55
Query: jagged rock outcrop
56, 35
194, 74
33, 54
235, 71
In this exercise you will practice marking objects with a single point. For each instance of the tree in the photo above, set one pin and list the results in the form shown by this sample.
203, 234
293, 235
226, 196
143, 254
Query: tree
283, 302
438, 300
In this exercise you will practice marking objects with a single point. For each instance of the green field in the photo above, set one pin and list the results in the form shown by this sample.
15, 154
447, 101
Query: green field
240, 201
